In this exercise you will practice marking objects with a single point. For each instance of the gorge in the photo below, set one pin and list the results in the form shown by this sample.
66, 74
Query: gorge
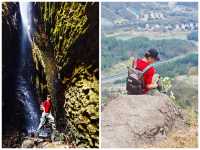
50, 48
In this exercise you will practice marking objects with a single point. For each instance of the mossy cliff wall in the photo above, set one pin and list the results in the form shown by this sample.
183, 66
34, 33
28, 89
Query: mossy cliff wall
66, 58
12, 115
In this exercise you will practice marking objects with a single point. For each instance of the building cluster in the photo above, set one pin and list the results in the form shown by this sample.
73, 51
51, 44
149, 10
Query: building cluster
158, 20
151, 16
170, 27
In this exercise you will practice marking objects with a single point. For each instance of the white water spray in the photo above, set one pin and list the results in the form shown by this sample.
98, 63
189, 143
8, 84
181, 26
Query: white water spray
25, 11
25, 88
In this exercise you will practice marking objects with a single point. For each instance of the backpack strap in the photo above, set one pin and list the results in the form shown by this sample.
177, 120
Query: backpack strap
146, 69
135, 63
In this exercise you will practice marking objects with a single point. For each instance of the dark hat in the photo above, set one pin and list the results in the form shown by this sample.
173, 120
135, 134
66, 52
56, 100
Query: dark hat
153, 53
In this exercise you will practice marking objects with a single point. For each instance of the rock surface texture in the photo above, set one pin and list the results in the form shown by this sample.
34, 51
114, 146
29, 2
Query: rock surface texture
134, 121
36, 143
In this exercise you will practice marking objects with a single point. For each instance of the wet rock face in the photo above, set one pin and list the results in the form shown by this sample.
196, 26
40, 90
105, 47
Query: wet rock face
11, 28
66, 47
133, 121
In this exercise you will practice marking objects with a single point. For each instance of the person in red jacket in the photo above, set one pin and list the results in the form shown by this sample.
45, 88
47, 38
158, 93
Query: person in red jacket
150, 57
46, 107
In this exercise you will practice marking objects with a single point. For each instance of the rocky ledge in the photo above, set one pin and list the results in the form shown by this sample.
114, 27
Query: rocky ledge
135, 121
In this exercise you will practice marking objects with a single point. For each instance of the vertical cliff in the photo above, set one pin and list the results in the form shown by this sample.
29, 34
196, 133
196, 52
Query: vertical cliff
66, 59
66, 51
11, 28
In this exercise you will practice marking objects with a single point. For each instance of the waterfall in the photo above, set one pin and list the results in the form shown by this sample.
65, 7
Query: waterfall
25, 12
25, 90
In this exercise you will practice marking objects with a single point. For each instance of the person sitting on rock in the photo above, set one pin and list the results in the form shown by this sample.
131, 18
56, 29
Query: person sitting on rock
150, 57
46, 107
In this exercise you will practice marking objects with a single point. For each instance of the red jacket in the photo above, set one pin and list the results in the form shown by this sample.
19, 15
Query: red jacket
148, 75
47, 106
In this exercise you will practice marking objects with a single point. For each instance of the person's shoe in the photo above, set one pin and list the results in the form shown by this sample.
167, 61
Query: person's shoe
37, 133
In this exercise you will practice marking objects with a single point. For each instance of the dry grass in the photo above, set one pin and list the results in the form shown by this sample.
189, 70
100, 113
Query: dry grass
186, 137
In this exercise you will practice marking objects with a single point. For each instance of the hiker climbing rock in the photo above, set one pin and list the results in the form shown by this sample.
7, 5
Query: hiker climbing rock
46, 107
142, 77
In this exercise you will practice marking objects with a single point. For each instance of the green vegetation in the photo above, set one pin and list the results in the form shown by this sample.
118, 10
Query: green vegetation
193, 36
179, 58
178, 76
82, 108
178, 66
63, 37
185, 90
63, 24
115, 51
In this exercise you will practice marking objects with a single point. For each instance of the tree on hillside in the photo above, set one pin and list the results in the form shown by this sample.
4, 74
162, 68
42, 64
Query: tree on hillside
193, 36
115, 51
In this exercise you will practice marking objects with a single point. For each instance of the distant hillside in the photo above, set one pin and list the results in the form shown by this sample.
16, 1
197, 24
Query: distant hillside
115, 51
177, 66
180, 65
134, 14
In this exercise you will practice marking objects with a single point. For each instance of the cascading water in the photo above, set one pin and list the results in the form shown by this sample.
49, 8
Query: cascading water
25, 90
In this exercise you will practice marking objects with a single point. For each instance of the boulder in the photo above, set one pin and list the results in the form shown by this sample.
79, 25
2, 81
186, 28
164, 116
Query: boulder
28, 143
137, 120
47, 144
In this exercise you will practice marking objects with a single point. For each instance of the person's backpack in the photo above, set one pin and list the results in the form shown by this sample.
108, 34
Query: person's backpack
135, 81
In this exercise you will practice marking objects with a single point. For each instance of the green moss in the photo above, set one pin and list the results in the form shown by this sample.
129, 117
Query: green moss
83, 94
64, 23
62, 26
5, 9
